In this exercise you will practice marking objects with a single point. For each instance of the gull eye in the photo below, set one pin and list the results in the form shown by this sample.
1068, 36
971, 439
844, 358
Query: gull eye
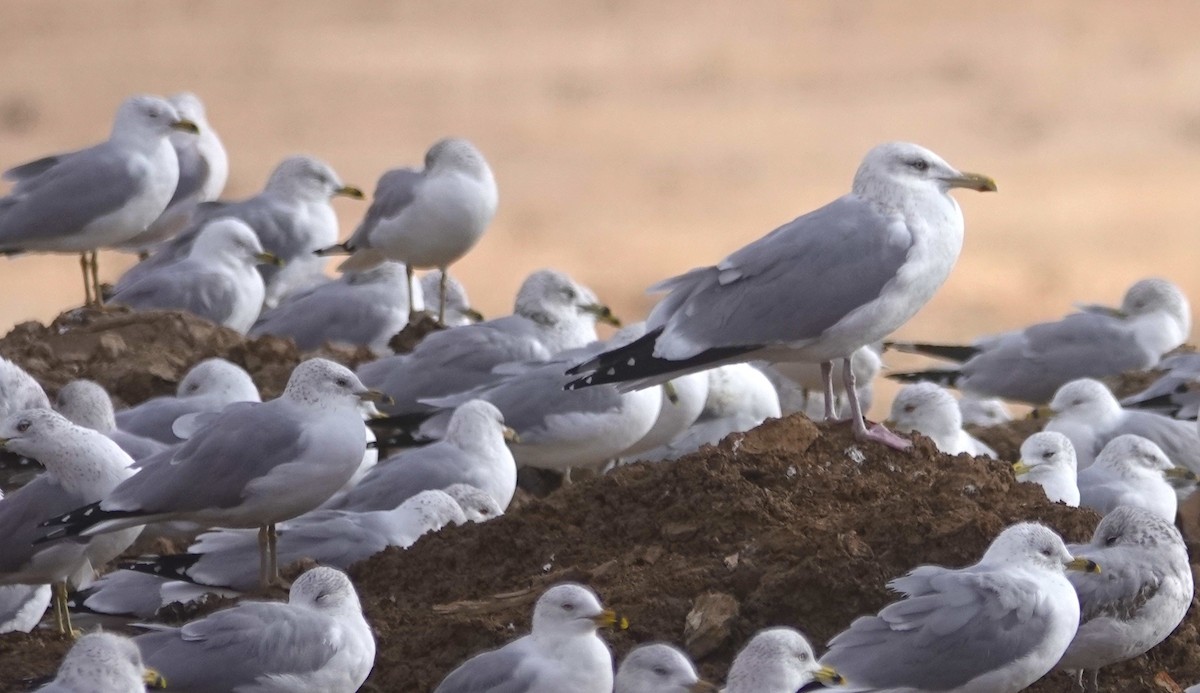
568, 607
23, 425
909, 408
803, 656
1047, 553
660, 672
343, 382
1111, 541
570, 294
920, 165
1047, 455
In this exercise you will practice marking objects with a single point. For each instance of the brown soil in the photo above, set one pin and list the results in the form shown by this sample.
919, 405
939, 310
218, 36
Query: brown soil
790, 524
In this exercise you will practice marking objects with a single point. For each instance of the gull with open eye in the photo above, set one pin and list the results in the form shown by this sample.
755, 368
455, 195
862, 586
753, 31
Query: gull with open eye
931, 410
659, 668
777, 660
1048, 459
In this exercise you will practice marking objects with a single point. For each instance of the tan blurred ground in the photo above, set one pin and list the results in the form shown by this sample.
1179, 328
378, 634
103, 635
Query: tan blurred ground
632, 141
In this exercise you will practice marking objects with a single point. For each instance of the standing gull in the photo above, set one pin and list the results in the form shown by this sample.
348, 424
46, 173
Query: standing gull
659, 668
428, 218
252, 465
561, 653
777, 660
815, 289
1048, 459
104, 662
317, 641
995, 626
1142, 595
99, 196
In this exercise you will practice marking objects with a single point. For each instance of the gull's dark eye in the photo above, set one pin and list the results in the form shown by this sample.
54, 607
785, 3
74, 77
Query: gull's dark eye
803, 656
1047, 455
1110, 541
343, 382
919, 165
910, 408
23, 425
570, 294
1047, 553
568, 606
660, 671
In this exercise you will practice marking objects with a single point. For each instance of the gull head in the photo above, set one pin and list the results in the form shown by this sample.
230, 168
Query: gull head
658, 668
145, 118
549, 297
309, 178
906, 166
477, 505
475, 419
432, 510
29, 432
1132, 454
1045, 453
983, 411
1127, 525
106, 661
1155, 295
1034, 545
777, 659
457, 155
926, 408
325, 589
189, 106
231, 241
327, 384
570, 609
221, 378
1085, 399
85, 403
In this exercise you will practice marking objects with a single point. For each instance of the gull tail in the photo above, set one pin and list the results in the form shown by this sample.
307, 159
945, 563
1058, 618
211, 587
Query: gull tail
174, 567
636, 366
86, 521
945, 378
950, 352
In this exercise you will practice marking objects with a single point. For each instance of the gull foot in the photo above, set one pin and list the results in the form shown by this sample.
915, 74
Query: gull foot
880, 434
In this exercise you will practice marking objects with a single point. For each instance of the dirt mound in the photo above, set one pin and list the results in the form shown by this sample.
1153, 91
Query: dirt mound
792, 523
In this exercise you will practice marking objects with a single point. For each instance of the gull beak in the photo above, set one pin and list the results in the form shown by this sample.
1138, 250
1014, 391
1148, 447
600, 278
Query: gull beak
611, 619
1172, 473
510, 435
670, 392
703, 686
265, 258
372, 412
473, 314
153, 680
1019, 468
829, 676
602, 313
376, 396
971, 181
351, 192
185, 125
3, 442
1085, 565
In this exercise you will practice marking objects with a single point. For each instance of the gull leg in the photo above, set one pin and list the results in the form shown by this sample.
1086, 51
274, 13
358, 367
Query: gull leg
1094, 683
264, 560
87, 281
96, 279
55, 607
442, 298
62, 613
878, 432
273, 553
827, 379
408, 276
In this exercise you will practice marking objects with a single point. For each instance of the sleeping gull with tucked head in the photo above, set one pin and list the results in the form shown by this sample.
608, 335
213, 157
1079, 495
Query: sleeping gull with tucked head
815, 289
931, 410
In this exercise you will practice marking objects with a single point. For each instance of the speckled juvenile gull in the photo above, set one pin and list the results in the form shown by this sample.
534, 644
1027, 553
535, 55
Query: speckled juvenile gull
1087, 412
473, 451
317, 641
82, 466
338, 538
364, 308
995, 626
1130, 470
777, 660
1140, 597
1048, 459
209, 386
929, 409
254, 465
659, 668
740, 397
103, 662
562, 652
99, 196
815, 289
1028, 365
292, 217
86, 403
983, 411
428, 218
552, 313
203, 170
218, 280
801, 390
458, 306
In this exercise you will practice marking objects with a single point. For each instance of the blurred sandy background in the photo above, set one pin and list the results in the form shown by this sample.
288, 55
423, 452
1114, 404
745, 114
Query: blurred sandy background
632, 141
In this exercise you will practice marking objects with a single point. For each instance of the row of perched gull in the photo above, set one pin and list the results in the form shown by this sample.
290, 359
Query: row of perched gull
261, 485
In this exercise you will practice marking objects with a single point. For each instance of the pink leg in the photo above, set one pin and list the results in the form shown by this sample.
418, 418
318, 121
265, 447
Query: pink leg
827, 379
878, 432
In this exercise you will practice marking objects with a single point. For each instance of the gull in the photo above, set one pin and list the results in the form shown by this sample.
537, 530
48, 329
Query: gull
684, 402
1028, 365
292, 217
659, 668
458, 306
995, 626
553, 313
1086, 411
561, 653
82, 466
983, 411
217, 281
473, 451
252, 465
428, 218
364, 308
209, 386
22, 606
18, 390
932, 411
317, 641
1176, 393
1048, 459
777, 660
1131, 470
203, 170
815, 289
99, 196
85, 403
103, 662
1142, 595
337, 538
131, 593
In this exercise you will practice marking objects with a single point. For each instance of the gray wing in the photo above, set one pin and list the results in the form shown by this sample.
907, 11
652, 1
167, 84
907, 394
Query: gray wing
1127, 581
124, 592
153, 418
193, 173
395, 480
66, 197
528, 400
236, 646
495, 671
395, 191
790, 285
955, 626
1180, 440
22, 511
137, 447
35, 168
184, 286
334, 312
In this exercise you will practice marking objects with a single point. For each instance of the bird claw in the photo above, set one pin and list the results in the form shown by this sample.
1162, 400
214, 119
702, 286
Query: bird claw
880, 434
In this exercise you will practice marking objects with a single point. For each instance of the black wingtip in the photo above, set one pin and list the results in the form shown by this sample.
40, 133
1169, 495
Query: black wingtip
950, 352
636, 361
338, 249
174, 566
945, 378
79, 520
